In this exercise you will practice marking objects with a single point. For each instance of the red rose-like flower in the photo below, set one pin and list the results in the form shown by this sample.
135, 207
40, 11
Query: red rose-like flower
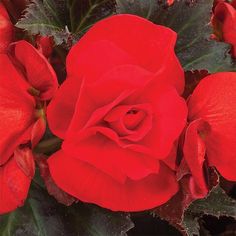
27, 81
224, 23
210, 136
119, 114
6, 29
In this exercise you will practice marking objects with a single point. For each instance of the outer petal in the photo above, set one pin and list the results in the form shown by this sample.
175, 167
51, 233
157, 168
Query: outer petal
148, 45
14, 186
16, 109
214, 100
90, 185
38, 71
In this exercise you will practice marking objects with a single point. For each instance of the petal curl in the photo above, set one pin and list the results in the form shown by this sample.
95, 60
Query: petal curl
194, 151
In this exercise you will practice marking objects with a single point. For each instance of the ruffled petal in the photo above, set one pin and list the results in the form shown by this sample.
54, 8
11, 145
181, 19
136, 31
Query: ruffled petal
132, 40
88, 184
214, 101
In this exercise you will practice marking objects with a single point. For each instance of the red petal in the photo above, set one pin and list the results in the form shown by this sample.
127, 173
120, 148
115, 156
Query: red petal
100, 148
194, 154
170, 160
16, 109
90, 185
39, 72
3, 11
214, 101
169, 118
25, 160
134, 36
94, 60
14, 186
64, 100
38, 131
226, 14
6, 29
110, 90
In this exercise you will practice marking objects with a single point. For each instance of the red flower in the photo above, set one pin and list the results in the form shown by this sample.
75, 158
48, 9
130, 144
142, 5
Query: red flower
224, 23
119, 115
6, 29
210, 137
27, 81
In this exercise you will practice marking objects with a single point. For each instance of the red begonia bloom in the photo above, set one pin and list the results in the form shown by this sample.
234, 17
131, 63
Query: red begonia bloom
6, 29
27, 81
224, 23
119, 114
210, 136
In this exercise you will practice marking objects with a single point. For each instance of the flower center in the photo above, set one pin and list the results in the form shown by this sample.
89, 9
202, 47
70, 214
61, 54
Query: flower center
133, 118
130, 121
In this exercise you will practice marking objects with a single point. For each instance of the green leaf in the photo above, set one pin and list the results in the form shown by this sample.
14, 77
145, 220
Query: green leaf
144, 8
192, 23
218, 203
47, 18
43, 216
84, 13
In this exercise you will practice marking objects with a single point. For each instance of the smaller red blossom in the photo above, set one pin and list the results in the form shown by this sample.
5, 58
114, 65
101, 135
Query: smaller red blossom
27, 81
6, 29
210, 136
